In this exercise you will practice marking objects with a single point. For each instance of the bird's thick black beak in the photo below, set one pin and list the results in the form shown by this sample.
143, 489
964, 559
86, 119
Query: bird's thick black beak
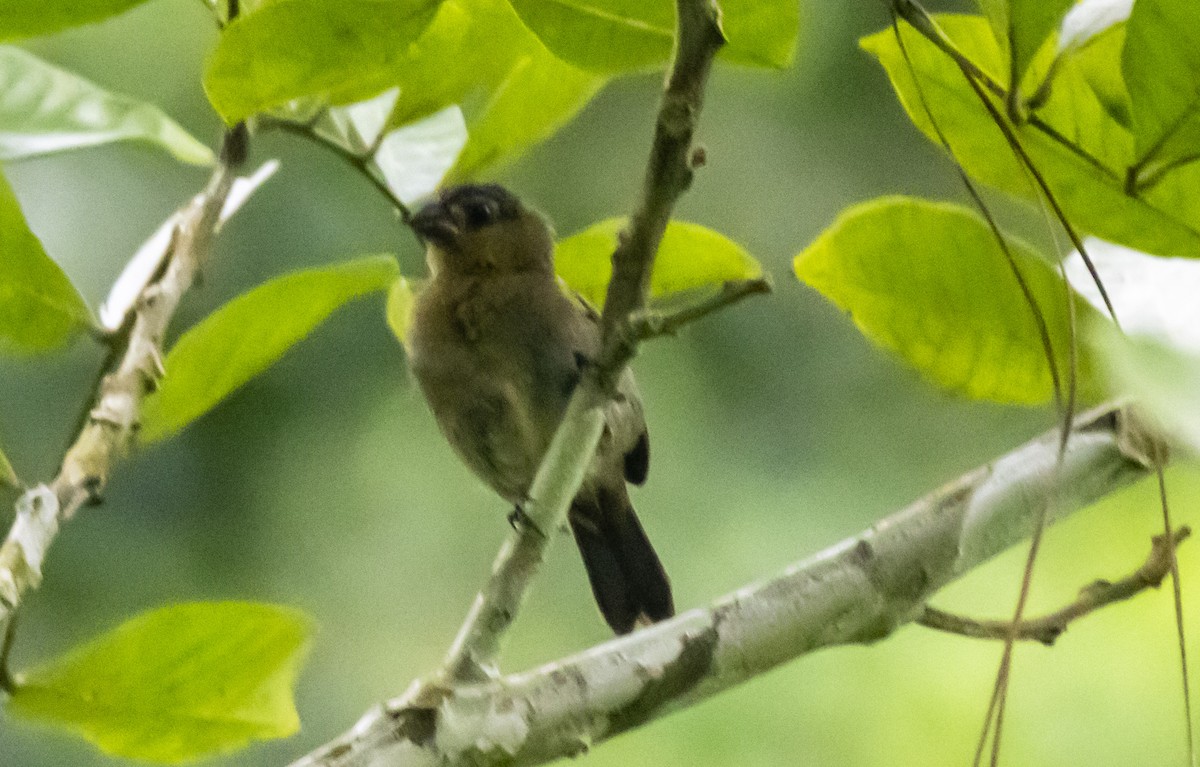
434, 223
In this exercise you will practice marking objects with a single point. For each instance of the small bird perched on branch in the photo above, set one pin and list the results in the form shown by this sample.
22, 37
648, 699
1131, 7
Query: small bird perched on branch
498, 347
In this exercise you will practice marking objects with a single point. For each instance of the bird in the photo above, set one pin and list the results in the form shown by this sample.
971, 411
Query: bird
497, 346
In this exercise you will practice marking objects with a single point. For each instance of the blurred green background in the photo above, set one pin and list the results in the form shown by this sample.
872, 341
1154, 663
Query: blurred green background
777, 431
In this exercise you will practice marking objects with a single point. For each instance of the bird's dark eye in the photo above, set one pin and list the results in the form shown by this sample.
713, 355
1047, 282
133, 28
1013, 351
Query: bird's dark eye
480, 213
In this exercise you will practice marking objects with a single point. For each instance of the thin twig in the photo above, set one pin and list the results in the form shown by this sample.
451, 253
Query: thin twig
113, 419
361, 163
650, 323
1048, 628
1171, 539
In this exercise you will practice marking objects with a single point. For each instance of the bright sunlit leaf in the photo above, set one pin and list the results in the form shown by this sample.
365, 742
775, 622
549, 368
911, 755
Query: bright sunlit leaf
1084, 158
176, 684
603, 35
30, 18
1030, 23
614, 36
44, 109
512, 90
415, 158
1162, 72
288, 49
689, 257
39, 307
248, 334
539, 94
929, 282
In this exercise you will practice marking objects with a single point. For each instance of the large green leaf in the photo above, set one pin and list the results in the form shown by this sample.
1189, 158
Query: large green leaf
28, 18
176, 684
342, 52
1097, 62
44, 109
1162, 72
1030, 23
1082, 154
244, 337
39, 307
1163, 379
539, 94
512, 90
603, 35
614, 36
689, 257
929, 282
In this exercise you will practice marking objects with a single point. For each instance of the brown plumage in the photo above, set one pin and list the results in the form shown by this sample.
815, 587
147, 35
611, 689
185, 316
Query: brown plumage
497, 348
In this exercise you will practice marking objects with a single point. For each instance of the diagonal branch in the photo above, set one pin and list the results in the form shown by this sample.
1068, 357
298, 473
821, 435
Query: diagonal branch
858, 591
1048, 628
668, 175
112, 421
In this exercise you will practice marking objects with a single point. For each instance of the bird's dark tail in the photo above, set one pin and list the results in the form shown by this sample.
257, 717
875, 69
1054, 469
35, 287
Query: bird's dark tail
627, 579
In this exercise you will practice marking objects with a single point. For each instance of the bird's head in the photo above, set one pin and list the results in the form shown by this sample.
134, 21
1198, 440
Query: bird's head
484, 228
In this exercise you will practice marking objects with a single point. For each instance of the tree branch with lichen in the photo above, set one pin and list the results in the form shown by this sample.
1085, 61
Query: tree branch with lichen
112, 421
856, 592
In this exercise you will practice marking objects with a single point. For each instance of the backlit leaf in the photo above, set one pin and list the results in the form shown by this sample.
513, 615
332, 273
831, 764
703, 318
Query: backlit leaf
44, 109
176, 684
342, 52
929, 282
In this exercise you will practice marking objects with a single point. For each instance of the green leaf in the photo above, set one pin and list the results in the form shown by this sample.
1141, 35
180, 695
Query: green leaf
512, 90
400, 301
464, 54
1162, 72
415, 158
929, 282
613, 36
1032, 22
248, 334
603, 35
29, 18
538, 96
1097, 62
343, 52
1083, 157
760, 33
8, 477
689, 257
176, 684
44, 109
1164, 380
39, 307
